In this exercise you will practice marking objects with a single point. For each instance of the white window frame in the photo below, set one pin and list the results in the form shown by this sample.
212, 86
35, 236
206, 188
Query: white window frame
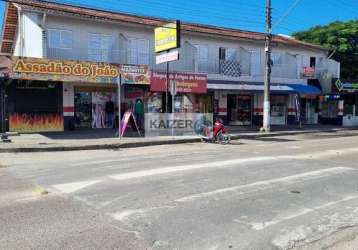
203, 61
135, 53
103, 52
61, 43
273, 58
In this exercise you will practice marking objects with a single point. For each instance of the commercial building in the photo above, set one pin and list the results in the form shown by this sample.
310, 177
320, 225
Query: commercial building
220, 69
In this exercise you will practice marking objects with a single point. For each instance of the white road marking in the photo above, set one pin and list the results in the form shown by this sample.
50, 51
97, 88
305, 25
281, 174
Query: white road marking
262, 225
168, 170
121, 216
68, 188
256, 186
92, 163
294, 147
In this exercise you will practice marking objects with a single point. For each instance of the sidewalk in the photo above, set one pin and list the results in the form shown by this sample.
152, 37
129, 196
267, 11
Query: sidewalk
104, 139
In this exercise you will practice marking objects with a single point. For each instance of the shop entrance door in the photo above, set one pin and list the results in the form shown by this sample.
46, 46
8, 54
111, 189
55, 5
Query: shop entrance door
278, 110
83, 109
240, 110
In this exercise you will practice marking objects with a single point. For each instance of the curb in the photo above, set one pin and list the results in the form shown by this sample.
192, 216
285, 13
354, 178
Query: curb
115, 146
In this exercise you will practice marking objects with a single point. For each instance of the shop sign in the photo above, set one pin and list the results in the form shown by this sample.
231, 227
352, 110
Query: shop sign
135, 74
75, 71
167, 57
345, 86
167, 37
308, 72
185, 82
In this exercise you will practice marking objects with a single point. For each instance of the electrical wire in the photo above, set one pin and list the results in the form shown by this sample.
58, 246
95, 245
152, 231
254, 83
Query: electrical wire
288, 12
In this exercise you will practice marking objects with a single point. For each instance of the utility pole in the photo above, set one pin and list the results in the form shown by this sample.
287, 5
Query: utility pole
268, 64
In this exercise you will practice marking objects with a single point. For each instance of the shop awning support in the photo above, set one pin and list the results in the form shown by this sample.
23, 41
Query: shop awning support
119, 80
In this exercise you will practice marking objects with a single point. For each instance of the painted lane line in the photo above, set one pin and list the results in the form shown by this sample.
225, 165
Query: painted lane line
262, 225
256, 186
68, 188
92, 163
121, 216
168, 170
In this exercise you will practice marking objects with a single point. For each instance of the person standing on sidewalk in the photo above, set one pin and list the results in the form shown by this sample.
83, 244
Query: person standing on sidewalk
139, 113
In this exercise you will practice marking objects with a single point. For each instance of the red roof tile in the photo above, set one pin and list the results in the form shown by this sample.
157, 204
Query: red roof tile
11, 19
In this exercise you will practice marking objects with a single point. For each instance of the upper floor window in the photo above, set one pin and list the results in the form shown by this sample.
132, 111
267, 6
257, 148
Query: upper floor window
276, 59
229, 54
60, 39
202, 57
99, 47
139, 51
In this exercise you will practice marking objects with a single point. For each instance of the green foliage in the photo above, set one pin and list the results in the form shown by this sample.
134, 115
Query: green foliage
341, 37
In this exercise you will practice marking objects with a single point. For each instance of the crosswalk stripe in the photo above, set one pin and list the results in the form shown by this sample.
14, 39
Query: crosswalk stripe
68, 188
167, 170
262, 225
265, 184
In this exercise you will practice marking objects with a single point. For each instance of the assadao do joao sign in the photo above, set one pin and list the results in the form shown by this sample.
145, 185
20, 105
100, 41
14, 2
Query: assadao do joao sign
79, 71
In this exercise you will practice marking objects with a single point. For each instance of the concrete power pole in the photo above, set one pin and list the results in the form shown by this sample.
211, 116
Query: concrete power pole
267, 107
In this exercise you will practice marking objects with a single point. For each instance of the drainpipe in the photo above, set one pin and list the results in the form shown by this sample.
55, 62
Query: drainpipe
44, 34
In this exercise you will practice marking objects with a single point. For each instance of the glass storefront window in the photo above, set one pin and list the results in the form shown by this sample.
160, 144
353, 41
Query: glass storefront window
329, 109
278, 110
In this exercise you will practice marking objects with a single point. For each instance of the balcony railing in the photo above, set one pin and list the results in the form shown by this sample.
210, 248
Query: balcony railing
188, 63
98, 55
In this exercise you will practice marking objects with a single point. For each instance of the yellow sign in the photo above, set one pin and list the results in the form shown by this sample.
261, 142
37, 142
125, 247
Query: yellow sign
167, 37
77, 71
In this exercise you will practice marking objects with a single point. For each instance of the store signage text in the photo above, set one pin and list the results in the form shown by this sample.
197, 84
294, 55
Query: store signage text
185, 82
344, 86
308, 71
167, 37
57, 70
167, 57
60, 68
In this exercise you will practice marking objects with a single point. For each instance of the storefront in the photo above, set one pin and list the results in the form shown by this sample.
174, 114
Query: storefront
53, 95
240, 109
347, 90
331, 109
34, 106
191, 92
241, 103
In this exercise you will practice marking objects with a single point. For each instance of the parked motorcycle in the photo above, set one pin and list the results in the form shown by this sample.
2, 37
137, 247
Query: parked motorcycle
220, 134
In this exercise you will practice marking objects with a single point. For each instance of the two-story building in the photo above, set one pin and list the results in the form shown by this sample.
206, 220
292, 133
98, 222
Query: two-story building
232, 60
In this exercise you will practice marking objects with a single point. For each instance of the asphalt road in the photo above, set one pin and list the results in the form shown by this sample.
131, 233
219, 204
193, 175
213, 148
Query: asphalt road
295, 192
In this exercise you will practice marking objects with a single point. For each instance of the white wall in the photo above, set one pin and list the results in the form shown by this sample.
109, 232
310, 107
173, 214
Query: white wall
122, 32
31, 44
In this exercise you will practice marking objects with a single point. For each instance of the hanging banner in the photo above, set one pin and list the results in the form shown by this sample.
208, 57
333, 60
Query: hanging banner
185, 82
76, 71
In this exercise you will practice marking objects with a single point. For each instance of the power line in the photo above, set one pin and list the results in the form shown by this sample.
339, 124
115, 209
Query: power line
288, 12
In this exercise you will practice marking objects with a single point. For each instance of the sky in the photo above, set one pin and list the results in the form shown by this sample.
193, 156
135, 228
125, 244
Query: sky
241, 14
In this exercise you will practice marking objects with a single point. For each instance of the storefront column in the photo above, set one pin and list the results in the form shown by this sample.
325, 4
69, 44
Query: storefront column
291, 110
68, 106
341, 111
2, 107
257, 116
222, 109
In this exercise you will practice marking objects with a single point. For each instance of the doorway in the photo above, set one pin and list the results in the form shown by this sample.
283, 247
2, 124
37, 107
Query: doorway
83, 109
240, 110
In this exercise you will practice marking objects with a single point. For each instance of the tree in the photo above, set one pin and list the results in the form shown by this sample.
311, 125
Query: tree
341, 37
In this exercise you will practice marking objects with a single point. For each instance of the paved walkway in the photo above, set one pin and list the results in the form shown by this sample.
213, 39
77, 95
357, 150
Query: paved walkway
105, 139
